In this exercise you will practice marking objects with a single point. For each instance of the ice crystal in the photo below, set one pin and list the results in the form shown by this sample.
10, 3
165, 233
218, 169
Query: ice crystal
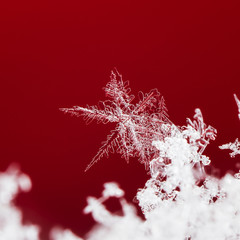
234, 147
137, 125
238, 104
198, 132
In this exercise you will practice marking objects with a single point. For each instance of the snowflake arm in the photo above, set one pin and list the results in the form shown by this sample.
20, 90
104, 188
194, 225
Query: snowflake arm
234, 147
119, 91
147, 101
203, 133
108, 146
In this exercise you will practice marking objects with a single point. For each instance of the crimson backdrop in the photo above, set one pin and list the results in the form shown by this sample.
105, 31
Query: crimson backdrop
60, 53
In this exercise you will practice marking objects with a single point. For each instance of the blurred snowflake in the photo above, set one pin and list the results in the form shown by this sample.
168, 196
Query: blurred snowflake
235, 147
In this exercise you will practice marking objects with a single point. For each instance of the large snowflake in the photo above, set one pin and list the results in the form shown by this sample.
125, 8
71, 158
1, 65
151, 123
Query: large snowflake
137, 126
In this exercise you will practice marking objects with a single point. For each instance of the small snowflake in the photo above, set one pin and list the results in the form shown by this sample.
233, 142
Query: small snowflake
197, 132
234, 147
238, 104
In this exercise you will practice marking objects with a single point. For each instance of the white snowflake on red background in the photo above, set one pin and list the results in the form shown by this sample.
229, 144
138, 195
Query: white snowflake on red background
234, 147
137, 125
238, 104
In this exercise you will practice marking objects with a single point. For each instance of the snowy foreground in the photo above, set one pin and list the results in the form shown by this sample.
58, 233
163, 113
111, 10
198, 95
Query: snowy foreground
174, 205
179, 201
11, 227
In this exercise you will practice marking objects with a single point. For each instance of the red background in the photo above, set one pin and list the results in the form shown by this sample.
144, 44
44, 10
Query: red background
60, 53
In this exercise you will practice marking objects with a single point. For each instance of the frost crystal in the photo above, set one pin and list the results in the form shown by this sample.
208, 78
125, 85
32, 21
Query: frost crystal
238, 104
136, 125
198, 132
234, 147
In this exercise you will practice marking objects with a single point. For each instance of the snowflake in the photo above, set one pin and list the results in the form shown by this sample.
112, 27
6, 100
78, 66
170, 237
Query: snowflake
235, 147
198, 132
238, 104
137, 126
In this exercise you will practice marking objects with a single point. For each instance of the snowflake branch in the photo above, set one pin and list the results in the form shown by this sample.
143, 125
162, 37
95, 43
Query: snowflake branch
91, 113
109, 144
